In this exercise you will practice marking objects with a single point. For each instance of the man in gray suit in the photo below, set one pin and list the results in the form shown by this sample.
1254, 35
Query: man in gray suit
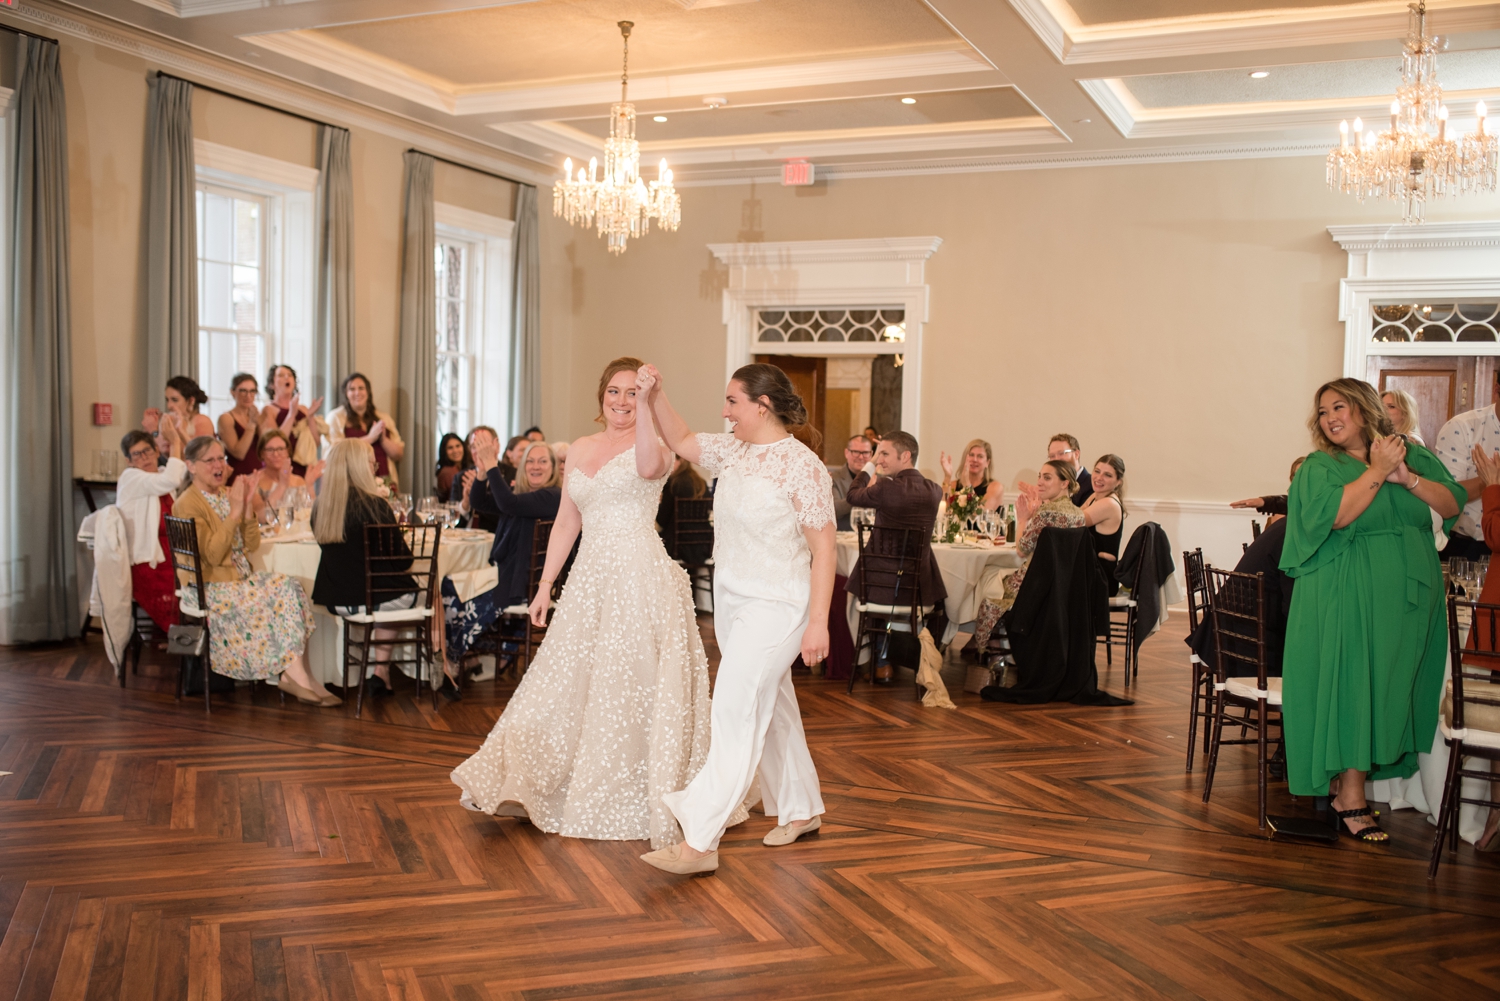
857, 455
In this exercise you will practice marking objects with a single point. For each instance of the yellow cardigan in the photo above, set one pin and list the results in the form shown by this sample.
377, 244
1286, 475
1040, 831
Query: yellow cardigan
216, 535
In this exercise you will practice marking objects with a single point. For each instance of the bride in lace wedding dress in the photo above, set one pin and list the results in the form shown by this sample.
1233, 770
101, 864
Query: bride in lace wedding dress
613, 713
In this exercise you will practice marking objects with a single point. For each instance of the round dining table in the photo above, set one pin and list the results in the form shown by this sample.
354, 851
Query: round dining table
964, 566
463, 557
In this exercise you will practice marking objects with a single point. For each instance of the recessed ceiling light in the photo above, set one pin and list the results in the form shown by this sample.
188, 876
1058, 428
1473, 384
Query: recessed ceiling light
908, 100
659, 118
1260, 74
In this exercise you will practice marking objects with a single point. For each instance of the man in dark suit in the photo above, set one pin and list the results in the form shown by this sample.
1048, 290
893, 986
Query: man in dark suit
902, 498
857, 455
1064, 447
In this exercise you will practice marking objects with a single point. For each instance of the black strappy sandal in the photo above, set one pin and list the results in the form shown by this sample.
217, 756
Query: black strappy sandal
1373, 834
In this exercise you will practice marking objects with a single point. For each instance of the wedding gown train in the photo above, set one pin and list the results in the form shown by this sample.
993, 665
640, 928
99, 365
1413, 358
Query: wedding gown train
614, 710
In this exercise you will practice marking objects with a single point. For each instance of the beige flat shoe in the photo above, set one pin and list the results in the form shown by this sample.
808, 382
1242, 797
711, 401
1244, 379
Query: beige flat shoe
669, 859
303, 695
786, 834
329, 699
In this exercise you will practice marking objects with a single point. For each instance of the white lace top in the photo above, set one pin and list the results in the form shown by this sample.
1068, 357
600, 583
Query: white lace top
766, 496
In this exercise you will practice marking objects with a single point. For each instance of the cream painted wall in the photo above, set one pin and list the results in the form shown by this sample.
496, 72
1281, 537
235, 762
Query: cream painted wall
1180, 315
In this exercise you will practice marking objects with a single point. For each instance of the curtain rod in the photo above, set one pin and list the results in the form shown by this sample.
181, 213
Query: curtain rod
248, 100
465, 166
29, 34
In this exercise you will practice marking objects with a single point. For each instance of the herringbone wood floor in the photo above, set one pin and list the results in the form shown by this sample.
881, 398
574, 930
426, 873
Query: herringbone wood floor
150, 851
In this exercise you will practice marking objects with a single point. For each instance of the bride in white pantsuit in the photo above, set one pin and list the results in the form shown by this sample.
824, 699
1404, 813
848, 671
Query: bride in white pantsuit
773, 580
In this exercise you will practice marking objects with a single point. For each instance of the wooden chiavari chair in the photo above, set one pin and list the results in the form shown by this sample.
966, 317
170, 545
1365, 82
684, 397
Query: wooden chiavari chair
1469, 717
890, 561
527, 635
395, 557
1236, 604
692, 535
1201, 699
192, 598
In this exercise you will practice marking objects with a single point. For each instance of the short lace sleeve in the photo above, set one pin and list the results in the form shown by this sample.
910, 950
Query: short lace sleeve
811, 490
713, 451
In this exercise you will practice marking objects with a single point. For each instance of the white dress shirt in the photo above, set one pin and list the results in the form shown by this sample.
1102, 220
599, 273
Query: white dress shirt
1455, 446
138, 496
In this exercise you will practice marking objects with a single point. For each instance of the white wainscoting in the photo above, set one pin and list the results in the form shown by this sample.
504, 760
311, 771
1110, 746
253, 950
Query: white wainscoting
1213, 526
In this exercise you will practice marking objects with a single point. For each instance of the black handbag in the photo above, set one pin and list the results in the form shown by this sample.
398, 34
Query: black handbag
901, 649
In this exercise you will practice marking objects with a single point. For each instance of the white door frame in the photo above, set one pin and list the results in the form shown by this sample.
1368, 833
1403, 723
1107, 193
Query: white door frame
830, 274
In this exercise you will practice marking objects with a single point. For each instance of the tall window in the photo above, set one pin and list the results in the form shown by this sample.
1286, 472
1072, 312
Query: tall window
233, 316
455, 260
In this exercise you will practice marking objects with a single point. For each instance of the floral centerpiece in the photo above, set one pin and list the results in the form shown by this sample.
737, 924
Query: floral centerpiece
965, 506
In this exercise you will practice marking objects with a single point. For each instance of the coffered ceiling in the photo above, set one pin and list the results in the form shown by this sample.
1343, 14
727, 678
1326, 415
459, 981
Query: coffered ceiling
861, 87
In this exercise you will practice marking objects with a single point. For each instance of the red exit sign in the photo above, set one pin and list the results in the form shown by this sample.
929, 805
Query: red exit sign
8, 3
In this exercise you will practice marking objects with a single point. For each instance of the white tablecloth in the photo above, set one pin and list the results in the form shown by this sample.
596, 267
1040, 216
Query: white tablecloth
963, 569
463, 556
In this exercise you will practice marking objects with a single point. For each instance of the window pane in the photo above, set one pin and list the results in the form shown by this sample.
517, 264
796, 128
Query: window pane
246, 232
246, 298
448, 382
214, 295
218, 227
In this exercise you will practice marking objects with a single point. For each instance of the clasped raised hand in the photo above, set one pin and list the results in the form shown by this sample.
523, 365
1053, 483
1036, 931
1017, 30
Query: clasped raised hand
1388, 456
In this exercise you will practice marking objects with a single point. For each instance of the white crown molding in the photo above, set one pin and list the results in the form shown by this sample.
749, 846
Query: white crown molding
200, 8
1047, 161
304, 99
479, 223
1114, 98
791, 253
395, 78
243, 163
1033, 130
1072, 42
1428, 236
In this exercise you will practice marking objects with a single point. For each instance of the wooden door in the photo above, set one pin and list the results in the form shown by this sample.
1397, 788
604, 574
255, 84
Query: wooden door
1441, 385
810, 378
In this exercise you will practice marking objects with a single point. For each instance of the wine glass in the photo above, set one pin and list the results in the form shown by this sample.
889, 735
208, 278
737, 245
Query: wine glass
401, 506
1458, 572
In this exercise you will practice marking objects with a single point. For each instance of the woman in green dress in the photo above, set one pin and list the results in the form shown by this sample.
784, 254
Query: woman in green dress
1366, 637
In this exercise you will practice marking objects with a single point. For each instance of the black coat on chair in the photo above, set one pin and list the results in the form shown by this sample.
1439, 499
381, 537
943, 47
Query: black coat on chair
1052, 626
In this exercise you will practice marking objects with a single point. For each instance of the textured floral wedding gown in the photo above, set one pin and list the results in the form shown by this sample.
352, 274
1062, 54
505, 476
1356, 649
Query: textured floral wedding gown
614, 710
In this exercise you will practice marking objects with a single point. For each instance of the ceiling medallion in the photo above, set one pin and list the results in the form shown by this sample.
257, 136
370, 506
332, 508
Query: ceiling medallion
1410, 164
620, 201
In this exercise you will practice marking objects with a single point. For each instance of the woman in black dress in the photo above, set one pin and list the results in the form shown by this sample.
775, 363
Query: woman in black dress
1104, 514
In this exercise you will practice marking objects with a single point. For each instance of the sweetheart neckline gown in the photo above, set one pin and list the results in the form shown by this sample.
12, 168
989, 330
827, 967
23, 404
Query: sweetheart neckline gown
614, 710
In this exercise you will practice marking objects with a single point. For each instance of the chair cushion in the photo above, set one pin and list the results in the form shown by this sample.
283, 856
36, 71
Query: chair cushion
1482, 721
1122, 601
1245, 688
395, 615
522, 610
874, 609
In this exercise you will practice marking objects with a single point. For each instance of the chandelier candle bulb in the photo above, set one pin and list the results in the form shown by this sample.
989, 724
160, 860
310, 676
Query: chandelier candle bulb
1344, 133
1442, 123
1480, 111
1395, 115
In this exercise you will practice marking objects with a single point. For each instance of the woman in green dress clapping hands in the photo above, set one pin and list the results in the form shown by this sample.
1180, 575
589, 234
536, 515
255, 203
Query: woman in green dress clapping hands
1366, 637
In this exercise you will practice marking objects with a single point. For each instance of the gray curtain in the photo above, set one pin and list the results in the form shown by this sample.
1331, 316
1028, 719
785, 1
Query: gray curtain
416, 397
171, 236
333, 343
526, 316
38, 434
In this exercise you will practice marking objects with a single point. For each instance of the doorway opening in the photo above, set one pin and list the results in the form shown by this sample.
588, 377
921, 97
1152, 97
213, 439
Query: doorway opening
844, 394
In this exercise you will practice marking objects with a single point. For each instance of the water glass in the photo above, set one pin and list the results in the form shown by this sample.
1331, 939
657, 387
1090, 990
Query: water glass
1458, 572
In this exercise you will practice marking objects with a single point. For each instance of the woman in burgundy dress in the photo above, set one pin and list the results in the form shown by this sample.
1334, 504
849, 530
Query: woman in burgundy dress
301, 425
240, 429
359, 418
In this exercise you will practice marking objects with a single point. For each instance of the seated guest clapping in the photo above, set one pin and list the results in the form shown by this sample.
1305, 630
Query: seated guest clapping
1048, 505
902, 498
1104, 514
975, 474
144, 495
470, 491
536, 495
1366, 642
258, 622
276, 477
453, 461
1405, 417
351, 500
1064, 447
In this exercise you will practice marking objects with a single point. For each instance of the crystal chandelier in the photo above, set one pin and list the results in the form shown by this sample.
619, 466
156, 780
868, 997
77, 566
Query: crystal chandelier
623, 204
1410, 163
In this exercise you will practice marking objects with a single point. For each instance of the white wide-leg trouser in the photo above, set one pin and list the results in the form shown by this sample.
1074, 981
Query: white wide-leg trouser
756, 722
